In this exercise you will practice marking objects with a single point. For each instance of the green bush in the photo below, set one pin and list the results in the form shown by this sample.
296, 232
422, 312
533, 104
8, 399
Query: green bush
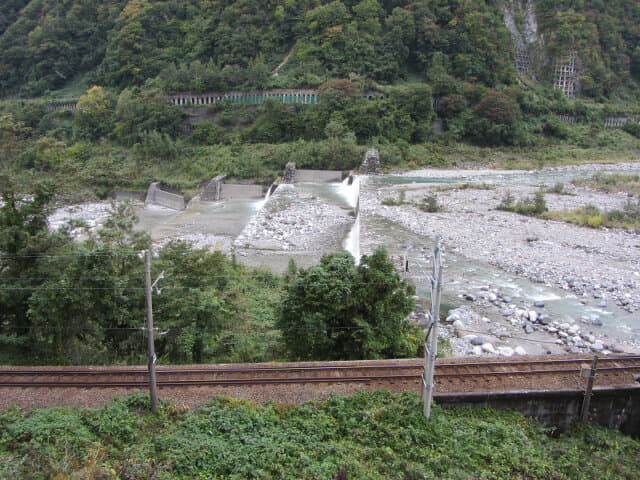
429, 204
534, 206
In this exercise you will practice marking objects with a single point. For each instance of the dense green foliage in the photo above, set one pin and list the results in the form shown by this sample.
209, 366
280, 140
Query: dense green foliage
604, 34
199, 45
67, 302
368, 436
340, 310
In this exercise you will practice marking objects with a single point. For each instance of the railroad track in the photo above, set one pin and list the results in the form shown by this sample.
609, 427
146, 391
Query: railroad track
456, 375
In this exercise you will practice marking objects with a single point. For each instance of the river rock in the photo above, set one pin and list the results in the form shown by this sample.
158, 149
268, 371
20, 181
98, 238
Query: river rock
596, 322
505, 351
519, 350
544, 319
533, 316
487, 347
458, 327
538, 304
597, 347
616, 348
476, 340
477, 350
528, 328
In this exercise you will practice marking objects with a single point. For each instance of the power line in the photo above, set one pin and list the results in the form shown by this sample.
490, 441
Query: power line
183, 288
46, 327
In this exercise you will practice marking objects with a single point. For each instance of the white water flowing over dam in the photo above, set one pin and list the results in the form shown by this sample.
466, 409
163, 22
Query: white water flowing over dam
350, 189
352, 242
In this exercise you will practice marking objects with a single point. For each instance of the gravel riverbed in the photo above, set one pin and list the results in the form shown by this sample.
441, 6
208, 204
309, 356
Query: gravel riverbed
599, 266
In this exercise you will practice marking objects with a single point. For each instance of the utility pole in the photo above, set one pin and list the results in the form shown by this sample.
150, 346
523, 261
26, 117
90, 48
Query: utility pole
586, 403
431, 340
150, 345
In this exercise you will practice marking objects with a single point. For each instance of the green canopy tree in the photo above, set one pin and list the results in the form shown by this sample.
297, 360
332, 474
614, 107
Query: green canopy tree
95, 115
338, 310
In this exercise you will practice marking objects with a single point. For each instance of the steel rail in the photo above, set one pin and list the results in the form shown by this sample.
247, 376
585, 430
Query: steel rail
214, 382
417, 364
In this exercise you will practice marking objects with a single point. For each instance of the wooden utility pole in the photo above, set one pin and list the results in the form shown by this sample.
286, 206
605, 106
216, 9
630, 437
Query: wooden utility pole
150, 345
586, 403
431, 340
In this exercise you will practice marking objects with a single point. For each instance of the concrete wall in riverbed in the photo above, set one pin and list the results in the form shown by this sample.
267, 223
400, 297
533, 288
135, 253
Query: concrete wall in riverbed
233, 190
617, 408
217, 190
170, 200
317, 176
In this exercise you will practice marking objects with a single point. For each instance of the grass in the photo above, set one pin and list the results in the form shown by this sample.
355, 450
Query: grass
558, 188
428, 204
368, 436
395, 202
612, 183
591, 216
464, 186
586, 146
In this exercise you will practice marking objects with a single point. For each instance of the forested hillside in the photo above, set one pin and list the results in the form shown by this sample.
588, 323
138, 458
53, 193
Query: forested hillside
203, 45
376, 65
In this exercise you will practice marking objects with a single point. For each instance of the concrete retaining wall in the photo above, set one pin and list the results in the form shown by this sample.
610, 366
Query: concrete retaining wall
317, 176
123, 196
232, 190
212, 190
170, 200
617, 408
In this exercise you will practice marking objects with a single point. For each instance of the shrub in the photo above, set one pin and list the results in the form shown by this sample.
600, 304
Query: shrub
429, 204
534, 206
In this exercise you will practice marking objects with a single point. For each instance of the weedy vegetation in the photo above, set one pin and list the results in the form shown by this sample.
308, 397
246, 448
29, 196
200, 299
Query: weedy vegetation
374, 435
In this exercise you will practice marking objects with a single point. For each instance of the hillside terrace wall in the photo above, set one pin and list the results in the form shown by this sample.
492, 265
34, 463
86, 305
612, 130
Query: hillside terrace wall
255, 96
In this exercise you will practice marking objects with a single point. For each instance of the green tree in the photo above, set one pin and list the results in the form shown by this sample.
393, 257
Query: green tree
95, 116
24, 245
340, 310
140, 112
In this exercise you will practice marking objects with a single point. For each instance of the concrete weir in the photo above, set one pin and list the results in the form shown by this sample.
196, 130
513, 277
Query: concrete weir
156, 195
217, 189
295, 175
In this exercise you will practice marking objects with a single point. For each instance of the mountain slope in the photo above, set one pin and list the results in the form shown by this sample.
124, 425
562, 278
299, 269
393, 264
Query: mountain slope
203, 45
